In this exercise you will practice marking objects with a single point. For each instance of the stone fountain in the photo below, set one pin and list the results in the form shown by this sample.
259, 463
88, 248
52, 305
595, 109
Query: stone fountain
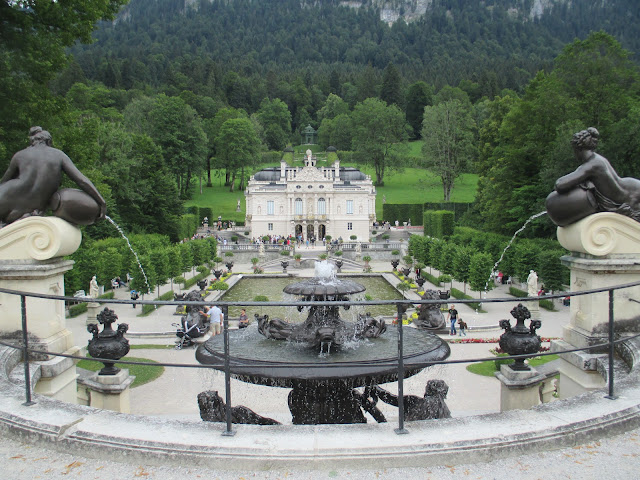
324, 358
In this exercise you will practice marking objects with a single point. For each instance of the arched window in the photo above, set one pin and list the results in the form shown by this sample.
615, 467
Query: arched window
322, 207
298, 206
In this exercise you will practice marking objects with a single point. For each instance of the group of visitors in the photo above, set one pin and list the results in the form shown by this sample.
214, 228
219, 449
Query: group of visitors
214, 317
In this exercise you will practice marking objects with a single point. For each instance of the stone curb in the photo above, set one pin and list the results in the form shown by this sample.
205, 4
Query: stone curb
154, 440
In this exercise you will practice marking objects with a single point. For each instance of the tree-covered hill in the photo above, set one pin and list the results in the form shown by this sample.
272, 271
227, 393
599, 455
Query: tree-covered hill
496, 43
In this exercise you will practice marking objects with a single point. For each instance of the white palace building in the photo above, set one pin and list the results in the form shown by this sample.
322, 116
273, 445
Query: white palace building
311, 201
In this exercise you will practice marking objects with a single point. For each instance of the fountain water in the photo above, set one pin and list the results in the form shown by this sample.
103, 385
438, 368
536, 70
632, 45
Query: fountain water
529, 220
146, 280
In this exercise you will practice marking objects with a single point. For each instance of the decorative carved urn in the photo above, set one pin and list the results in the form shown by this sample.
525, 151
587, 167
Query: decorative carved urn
284, 264
217, 274
202, 284
406, 271
394, 264
520, 340
420, 281
108, 344
339, 264
229, 266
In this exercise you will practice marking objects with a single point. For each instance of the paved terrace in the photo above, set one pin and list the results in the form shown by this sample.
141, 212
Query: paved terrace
164, 427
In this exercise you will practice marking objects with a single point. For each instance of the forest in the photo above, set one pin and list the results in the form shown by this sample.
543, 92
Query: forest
165, 91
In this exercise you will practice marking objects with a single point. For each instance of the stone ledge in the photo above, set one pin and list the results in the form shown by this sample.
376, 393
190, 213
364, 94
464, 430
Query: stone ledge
153, 440
581, 360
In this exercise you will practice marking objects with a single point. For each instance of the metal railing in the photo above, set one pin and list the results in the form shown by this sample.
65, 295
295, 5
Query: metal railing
401, 306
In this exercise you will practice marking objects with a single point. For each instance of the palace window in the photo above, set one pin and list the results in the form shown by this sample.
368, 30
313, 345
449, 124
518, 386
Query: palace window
349, 226
298, 206
270, 207
349, 207
322, 206
270, 226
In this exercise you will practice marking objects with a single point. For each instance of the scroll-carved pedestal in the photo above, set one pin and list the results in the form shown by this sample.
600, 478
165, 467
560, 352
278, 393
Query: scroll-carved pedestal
605, 252
31, 260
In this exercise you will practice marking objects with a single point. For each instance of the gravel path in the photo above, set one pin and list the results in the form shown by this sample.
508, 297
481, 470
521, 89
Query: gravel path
614, 458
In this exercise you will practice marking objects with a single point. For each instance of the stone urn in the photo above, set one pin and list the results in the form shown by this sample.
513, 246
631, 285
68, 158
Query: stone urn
420, 281
339, 264
520, 340
109, 344
394, 264
229, 266
217, 274
202, 284
406, 271
284, 264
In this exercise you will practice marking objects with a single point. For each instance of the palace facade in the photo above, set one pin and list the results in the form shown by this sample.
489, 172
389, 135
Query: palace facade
311, 201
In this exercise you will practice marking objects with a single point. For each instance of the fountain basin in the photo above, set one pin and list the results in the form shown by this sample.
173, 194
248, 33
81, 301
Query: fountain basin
261, 361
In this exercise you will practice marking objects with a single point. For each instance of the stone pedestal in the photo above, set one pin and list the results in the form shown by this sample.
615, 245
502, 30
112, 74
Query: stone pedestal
534, 309
31, 252
519, 390
109, 392
93, 308
605, 252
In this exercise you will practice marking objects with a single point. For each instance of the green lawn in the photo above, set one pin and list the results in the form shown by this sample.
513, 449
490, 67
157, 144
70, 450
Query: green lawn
487, 369
143, 373
412, 185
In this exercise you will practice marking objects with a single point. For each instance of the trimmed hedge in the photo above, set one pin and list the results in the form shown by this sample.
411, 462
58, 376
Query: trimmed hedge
219, 285
403, 212
147, 309
458, 209
438, 223
455, 293
188, 225
431, 278
80, 308
544, 303
192, 281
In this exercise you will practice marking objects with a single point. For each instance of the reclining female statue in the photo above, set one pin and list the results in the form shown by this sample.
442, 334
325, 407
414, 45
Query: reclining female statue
31, 184
592, 187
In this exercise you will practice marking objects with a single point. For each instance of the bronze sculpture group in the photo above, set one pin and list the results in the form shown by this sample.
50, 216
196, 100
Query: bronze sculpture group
592, 187
31, 185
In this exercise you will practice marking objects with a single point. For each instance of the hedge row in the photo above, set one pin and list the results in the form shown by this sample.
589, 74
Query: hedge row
455, 293
198, 214
188, 225
438, 223
458, 209
193, 280
544, 303
403, 212
147, 309
111, 257
80, 308
458, 256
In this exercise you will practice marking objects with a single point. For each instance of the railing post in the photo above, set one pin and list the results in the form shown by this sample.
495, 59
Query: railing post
25, 353
400, 430
227, 373
611, 395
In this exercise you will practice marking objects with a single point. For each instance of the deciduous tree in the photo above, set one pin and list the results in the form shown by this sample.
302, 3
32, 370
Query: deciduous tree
379, 136
447, 133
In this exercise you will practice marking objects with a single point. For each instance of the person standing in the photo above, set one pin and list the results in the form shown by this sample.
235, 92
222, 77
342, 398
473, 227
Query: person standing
453, 318
215, 318
134, 296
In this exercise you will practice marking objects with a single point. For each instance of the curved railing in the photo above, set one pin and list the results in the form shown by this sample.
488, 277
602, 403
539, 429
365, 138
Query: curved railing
401, 306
